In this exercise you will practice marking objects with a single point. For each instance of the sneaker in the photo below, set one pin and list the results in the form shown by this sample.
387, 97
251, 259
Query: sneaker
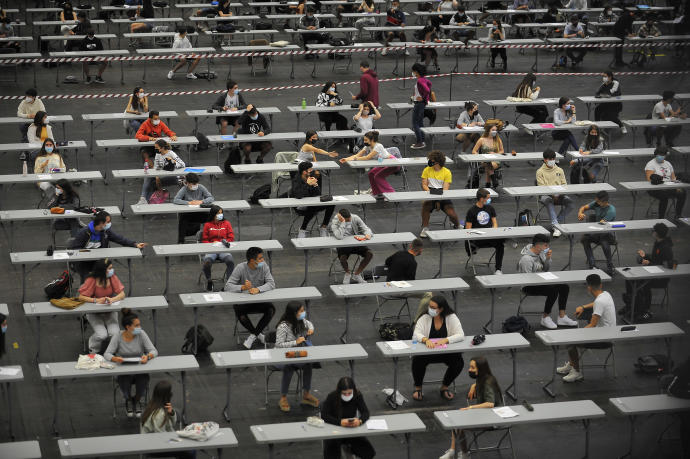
137, 409
498, 272
209, 286
99, 80
565, 369
128, 409
261, 337
556, 232
249, 342
566, 321
358, 278
142, 200
449, 454
323, 232
171, 74
88, 80
407, 53
384, 52
302, 234
624, 130
423, 232
347, 278
418, 146
191, 76
547, 322
573, 376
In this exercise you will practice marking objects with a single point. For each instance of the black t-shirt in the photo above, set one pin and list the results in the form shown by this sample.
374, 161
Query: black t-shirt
480, 218
401, 266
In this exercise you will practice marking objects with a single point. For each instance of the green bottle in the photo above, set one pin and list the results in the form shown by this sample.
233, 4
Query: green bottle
304, 103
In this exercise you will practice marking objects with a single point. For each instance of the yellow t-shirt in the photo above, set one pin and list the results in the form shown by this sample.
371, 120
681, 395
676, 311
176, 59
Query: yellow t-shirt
44, 133
435, 178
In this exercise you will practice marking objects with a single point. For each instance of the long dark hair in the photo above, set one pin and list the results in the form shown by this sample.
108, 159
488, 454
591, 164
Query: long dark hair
344, 383
98, 272
213, 211
67, 191
469, 105
290, 317
486, 378
2, 335
327, 86
525, 84
147, 9
162, 394
42, 151
67, 9
38, 120
592, 141
135, 98
441, 301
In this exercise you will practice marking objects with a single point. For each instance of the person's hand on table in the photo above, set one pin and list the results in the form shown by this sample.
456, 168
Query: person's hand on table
253, 291
173, 138
144, 358
195, 202
260, 133
117, 359
645, 262
140, 245
247, 285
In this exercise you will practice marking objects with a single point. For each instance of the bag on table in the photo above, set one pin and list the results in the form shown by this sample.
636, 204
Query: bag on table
58, 287
395, 331
66, 302
199, 431
159, 197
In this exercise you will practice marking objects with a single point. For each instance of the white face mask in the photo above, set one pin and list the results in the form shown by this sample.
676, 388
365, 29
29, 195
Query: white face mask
141, 95
58, 191
493, 133
568, 107
551, 162
433, 312
332, 88
29, 99
605, 79
155, 122
219, 216
347, 398
193, 187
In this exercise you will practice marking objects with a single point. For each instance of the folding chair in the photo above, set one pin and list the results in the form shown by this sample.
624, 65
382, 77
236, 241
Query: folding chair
116, 389
470, 259
611, 355
333, 269
277, 178
270, 369
382, 271
520, 311
200, 281
267, 61
654, 203
473, 445
614, 250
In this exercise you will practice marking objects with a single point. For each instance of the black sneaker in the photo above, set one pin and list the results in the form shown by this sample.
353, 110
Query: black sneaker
209, 286
99, 80
88, 80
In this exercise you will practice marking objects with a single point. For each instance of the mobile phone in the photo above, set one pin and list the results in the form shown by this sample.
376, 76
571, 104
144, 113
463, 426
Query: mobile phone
628, 328
85, 250
210, 110
527, 405
626, 269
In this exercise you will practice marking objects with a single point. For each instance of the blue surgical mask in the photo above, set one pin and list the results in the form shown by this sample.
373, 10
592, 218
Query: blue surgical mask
659, 159
488, 201
110, 272
108, 226
302, 315
261, 264
545, 251
136, 331
236, 91
4, 328
49, 149
433, 312
254, 118
219, 216
568, 107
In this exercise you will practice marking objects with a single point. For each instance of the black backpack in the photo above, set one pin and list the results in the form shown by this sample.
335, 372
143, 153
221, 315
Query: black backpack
263, 192
395, 331
578, 174
57, 288
203, 144
680, 384
234, 157
524, 218
225, 27
652, 364
516, 324
204, 339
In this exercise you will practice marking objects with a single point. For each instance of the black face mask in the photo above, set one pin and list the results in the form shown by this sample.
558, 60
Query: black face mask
472, 374
430, 163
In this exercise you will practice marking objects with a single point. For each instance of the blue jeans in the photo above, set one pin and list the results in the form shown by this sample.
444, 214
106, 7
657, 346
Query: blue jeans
226, 258
594, 166
568, 139
288, 371
566, 207
134, 124
418, 120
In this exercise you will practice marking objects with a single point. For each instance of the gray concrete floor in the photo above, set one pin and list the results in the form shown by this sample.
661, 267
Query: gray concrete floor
86, 405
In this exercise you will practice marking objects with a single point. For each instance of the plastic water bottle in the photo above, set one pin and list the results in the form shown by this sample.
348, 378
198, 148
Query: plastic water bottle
414, 340
25, 168
146, 167
304, 103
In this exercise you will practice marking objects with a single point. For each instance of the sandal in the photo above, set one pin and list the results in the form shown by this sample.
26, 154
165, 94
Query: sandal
419, 397
284, 405
310, 400
447, 394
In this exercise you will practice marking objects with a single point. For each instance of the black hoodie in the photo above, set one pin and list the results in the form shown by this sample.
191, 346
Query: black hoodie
662, 253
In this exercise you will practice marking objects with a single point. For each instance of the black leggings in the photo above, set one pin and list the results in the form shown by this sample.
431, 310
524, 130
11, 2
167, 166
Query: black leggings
242, 312
310, 212
454, 362
552, 292
329, 118
608, 112
359, 446
495, 243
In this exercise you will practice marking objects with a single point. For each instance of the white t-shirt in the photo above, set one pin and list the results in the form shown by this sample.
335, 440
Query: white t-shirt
664, 169
365, 124
605, 309
381, 152
661, 108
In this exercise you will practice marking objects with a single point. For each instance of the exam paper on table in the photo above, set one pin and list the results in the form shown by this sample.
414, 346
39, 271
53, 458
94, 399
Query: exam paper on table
377, 424
557, 187
213, 297
60, 256
401, 284
653, 269
505, 412
6, 371
260, 354
398, 345
547, 276
339, 198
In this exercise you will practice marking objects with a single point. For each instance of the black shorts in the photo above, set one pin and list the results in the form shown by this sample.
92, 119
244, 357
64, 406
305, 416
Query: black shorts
256, 146
347, 251
441, 203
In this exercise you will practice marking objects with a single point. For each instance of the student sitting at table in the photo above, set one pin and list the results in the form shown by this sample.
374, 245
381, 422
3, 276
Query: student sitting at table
366, 7
536, 258
659, 171
311, 22
607, 15
574, 30
402, 265
252, 276
470, 117
487, 394
160, 416
28, 107
436, 178
603, 213
490, 143
92, 43
444, 6
191, 194
364, 119
182, 42
660, 255
549, 174
223, 8
66, 198
461, 19
565, 113
39, 130
345, 407
609, 111
527, 90
592, 144
144, 11
67, 15
600, 313
437, 328
166, 160
48, 161
496, 33
153, 129
132, 342
483, 215
328, 97
231, 101
217, 230
7, 31
138, 103
394, 17
294, 330
253, 122
102, 286
663, 110
377, 175
308, 151
305, 184
429, 34
348, 225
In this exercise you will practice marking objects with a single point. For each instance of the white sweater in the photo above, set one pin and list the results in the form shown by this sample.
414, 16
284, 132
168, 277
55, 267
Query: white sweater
423, 328
32, 135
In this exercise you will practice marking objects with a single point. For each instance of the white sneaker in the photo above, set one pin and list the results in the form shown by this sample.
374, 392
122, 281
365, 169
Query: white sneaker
346, 278
323, 232
464, 455
556, 232
573, 376
407, 53
565, 369
191, 76
449, 454
261, 338
384, 52
302, 234
171, 74
566, 321
142, 200
547, 322
423, 232
358, 278
249, 342
624, 130
498, 272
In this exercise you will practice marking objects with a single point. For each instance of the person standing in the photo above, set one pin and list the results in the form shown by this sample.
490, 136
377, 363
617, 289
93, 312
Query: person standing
609, 111
368, 85
420, 99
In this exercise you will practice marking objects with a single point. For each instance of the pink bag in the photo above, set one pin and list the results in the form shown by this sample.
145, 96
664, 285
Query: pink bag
159, 197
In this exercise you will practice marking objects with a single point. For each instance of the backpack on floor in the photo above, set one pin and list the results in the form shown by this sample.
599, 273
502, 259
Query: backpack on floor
206, 75
204, 339
263, 192
57, 288
680, 384
203, 144
652, 364
234, 157
578, 174
395, 331
516, 324
524, 218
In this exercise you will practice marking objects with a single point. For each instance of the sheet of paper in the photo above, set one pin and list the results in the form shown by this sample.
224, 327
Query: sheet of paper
557, 187
575, 154
217, 244
505, 412
546, 125
44, 176
596, 228
616, 223
606, 152
670, 183
401, 284
476, 232
547, 276
60, 256
131, 359
212, 297
260, 354
339, 198
398, 345
377, 424
6, 371
194, 205
653, 269
68, 212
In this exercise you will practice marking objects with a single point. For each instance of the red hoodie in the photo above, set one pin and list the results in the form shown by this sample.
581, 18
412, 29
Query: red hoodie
369, 87
216, 231
147, 129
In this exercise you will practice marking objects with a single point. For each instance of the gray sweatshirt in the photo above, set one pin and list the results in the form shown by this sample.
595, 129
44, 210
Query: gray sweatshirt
596, 150
140, 345
200, 194
531, 262
354, 227
156, 422
560, 117
260, 278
